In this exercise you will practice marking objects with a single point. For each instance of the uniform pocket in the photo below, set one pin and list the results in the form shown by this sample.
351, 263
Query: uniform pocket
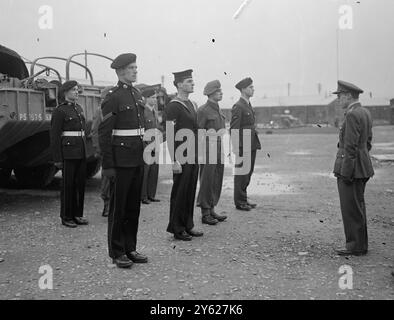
122, 143
68, 142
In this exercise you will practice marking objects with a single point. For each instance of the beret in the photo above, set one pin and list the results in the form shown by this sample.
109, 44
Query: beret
182, 75
211, 87
344, 86
68, 85
244, 83
148, 92
123, 60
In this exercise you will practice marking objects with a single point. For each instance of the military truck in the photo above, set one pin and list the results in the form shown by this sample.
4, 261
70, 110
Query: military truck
26, 106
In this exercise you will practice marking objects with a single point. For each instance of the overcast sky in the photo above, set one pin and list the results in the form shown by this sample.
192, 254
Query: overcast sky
273, 41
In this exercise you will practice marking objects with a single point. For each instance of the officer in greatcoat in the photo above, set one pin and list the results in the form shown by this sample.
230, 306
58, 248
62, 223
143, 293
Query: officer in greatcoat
353, 168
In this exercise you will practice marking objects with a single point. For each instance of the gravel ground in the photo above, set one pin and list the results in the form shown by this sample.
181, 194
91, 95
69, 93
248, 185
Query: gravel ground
281, 250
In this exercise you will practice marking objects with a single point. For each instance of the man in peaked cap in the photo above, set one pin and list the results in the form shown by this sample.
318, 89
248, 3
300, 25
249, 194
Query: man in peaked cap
182, 112
243, 118
151, 171
353, 168
68, 145
212, 120
121, 143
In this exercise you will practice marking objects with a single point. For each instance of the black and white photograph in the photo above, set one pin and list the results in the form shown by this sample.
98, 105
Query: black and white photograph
196, 156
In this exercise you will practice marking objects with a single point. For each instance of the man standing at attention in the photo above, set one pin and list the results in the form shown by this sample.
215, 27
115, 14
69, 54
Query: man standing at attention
243, 118
106, 184
151, 171
68, 144
182, 112
121, 143
210, 117
353, 168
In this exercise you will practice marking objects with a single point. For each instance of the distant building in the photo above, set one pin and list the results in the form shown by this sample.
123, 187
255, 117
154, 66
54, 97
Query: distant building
316, 109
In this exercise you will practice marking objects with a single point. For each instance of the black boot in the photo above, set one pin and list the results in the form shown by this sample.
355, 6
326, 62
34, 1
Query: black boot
217, 216
106, 209
207, 218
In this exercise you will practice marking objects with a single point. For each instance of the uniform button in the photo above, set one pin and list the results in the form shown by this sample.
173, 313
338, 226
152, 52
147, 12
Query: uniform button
121, 143
128, 107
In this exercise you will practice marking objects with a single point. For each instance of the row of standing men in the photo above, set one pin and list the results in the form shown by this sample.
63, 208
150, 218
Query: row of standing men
118, 132
120, 140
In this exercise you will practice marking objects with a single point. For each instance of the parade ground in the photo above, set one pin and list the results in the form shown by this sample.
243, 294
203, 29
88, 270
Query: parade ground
283, 249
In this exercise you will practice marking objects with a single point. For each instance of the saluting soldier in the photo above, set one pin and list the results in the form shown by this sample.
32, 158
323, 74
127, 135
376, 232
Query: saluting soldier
151, 171
121, 143
210, 117
353, 168
182, 112
68, 144
243, 118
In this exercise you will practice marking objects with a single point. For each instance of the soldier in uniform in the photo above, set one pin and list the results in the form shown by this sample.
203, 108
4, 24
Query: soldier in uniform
243, 117
106, 183
210, 117
151, 171
182, 112
121, 143
353, 168
68, 145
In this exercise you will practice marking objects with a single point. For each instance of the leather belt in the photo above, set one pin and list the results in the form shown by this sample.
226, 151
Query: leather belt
73, 133
128, 132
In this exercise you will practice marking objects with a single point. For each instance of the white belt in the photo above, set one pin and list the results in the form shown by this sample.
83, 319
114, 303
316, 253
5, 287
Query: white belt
73, 134
128, 133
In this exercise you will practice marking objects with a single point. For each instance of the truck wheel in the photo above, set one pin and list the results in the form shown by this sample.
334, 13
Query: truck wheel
5, 174
36, 176
92, 167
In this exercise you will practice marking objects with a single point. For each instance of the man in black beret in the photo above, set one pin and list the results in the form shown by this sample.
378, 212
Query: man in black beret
183, 113
68, 145
353, 168
121, 143
242, 119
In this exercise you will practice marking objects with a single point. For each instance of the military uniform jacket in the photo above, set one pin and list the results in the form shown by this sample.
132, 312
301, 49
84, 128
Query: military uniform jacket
67, 117
122, 109
243, 117
209, 116
184, 116
151, 120
355, 137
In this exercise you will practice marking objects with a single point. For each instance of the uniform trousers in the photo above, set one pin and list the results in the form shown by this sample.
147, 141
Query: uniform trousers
354, 216
183, 195
149, 186
124, 211
241, 182
72, 194
211, 181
